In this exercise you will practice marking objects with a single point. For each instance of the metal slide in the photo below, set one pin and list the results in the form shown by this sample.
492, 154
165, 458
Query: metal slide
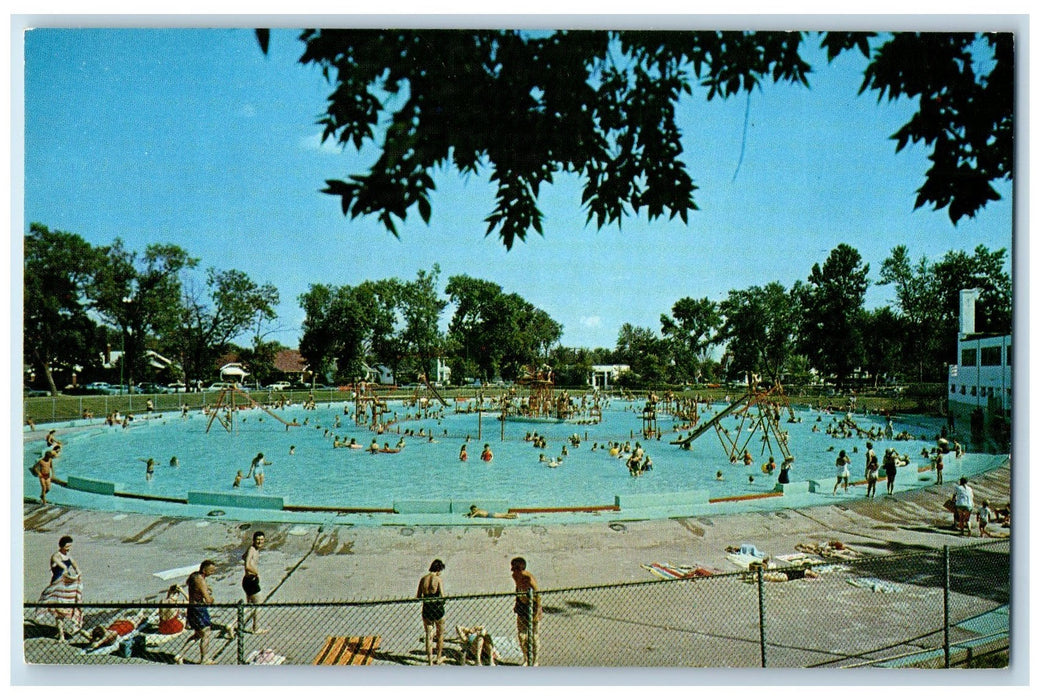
701, 429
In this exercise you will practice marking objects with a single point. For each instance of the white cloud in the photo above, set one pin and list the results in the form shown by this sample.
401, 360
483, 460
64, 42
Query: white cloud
591, 321
313, 143
247, 110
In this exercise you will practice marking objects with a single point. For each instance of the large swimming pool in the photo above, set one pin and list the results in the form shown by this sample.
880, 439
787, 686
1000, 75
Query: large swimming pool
317, 474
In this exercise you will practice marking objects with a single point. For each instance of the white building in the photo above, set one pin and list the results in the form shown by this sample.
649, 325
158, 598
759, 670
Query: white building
443, 372
379, 374
979, 387
602, 376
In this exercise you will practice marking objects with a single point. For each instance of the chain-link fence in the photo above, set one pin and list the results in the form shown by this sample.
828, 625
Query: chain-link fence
924, 608
55, 409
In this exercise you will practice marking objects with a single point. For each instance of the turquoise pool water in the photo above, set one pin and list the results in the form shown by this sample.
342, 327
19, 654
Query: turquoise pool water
320, 475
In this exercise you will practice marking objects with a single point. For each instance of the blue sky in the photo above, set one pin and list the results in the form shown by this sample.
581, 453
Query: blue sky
195, 137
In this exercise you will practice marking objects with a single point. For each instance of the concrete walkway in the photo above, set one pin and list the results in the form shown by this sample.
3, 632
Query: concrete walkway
121, 554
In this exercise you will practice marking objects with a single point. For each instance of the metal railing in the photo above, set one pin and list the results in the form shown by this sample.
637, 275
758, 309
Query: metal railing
924, 608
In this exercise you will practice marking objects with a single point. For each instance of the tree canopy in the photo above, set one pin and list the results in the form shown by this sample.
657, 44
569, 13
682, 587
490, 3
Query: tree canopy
229, 305
496, 334
77, 296
602, 104
58, 268
832, 304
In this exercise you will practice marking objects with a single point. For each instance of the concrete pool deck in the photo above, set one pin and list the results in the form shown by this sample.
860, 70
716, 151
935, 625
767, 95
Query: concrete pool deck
120, 553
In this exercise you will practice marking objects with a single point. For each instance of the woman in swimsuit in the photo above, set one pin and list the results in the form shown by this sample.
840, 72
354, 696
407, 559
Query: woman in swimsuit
117, 631
170, 618
430, 586
66, 586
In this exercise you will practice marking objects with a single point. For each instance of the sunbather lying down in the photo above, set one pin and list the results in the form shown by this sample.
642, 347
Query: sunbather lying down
789, 574
475, 512
476, 640
115, 632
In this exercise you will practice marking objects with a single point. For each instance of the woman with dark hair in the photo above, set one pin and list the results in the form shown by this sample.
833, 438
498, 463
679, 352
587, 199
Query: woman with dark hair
66, 586
430, 586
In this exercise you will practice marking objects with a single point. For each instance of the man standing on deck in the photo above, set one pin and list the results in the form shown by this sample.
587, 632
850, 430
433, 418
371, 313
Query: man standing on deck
251, 579
528, 609
199, 597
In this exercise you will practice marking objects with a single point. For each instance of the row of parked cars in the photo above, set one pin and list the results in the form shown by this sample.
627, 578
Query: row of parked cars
107, 389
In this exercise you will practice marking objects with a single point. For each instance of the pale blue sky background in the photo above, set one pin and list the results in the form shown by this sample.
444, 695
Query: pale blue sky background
195, 137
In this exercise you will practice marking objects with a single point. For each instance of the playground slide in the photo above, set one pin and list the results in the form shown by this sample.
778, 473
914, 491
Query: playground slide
701, 429
232, 392
435, 393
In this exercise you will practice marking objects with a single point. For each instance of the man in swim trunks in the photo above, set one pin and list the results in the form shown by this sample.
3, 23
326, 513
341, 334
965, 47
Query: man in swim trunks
251, 579
44, 470
430, 586
528, 609
199, 596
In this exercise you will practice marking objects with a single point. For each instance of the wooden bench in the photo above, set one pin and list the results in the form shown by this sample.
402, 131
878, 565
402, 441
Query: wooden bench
347, 651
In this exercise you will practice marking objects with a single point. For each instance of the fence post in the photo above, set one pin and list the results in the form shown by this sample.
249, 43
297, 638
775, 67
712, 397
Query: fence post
762, 614
946, 605
241, 628
529, 652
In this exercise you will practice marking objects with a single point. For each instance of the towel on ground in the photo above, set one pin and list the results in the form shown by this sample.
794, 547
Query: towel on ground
744, 561
875, 584
834, 549
799, 559
264, 657
675, 571
746, 549
508, 648
155, 639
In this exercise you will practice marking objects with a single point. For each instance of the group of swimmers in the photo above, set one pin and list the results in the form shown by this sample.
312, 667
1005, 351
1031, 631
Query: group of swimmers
485, 455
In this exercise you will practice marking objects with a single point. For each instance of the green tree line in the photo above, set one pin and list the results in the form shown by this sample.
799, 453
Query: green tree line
81, 300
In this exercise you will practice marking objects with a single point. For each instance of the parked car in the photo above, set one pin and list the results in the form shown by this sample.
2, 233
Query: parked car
176, 388
28, 392
152, 388
217, 386
99, 388
278, 386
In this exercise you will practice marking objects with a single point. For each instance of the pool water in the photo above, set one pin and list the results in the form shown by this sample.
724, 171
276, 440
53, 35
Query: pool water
320, 475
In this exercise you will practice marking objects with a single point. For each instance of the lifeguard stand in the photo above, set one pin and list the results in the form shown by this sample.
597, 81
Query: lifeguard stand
650, 419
